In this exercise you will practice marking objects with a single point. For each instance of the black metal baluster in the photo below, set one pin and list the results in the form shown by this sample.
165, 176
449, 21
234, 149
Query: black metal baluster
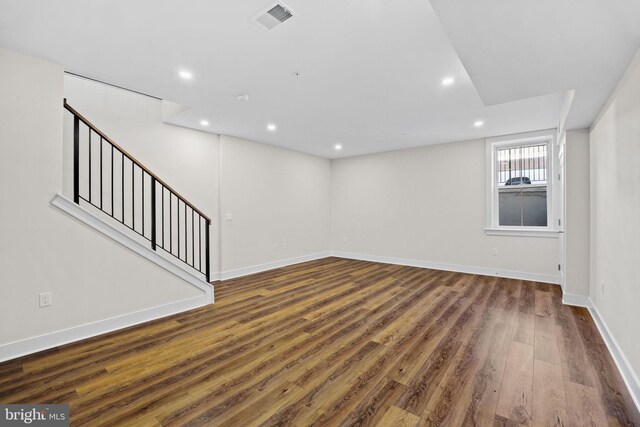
89, 165
122, 182
143, 203
199, 242
162, 186
153, 213
193, 240
101, 172
112, 213
142, 183
170, 222
178, 225
76, 160
133, 195
207, 260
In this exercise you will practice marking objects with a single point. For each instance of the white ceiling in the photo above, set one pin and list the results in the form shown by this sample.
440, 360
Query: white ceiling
370, 71
517, 49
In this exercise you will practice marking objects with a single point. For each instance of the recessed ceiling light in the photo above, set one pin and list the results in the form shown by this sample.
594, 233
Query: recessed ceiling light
204, 122
337, 147
243, 97
478, 123
448, 81
186, 75
271, 127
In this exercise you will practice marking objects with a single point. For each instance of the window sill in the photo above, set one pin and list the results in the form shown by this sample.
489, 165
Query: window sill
522, 232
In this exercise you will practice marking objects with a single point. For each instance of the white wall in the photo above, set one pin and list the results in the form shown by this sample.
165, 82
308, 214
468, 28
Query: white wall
41, 248
427, 204
186, 159
577, 213
275, 197
615, 215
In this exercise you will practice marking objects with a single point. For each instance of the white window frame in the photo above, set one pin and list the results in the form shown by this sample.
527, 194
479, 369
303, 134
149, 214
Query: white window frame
493, 226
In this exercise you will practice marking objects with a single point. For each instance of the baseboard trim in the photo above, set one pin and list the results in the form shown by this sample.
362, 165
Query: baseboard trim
245, 271
629, 377
536, 277
83, 215
65, 336
575, 299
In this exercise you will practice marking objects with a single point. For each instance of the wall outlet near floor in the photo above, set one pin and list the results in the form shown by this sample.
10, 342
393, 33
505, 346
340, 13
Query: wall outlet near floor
45, 299
494, 252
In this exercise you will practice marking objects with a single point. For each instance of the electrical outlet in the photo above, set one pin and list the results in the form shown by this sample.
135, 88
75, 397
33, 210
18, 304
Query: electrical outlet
284, 245
494, 252
45, 299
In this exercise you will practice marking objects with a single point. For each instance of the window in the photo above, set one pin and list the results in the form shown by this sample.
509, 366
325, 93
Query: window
519, 183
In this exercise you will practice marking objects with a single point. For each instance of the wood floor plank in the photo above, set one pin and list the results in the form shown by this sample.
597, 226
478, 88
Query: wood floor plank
516, 393
399, 418
573, 359
543, 304
500, 421
527, 298
545, 340
374, 405
549, 401
482, 403
342, 342
524, 328
583, 405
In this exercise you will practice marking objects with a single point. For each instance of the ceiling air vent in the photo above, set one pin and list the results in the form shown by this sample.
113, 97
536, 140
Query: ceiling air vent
274, 16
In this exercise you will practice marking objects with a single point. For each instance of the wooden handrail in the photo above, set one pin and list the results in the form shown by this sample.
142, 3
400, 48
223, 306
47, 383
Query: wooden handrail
133, 159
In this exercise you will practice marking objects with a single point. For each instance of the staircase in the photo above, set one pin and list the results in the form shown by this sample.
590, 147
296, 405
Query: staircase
112, 183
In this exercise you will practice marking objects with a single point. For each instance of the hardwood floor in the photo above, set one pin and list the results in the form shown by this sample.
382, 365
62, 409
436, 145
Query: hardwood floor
342, 342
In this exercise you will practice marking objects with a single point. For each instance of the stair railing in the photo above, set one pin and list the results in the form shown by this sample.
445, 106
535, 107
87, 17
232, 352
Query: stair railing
113, 181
